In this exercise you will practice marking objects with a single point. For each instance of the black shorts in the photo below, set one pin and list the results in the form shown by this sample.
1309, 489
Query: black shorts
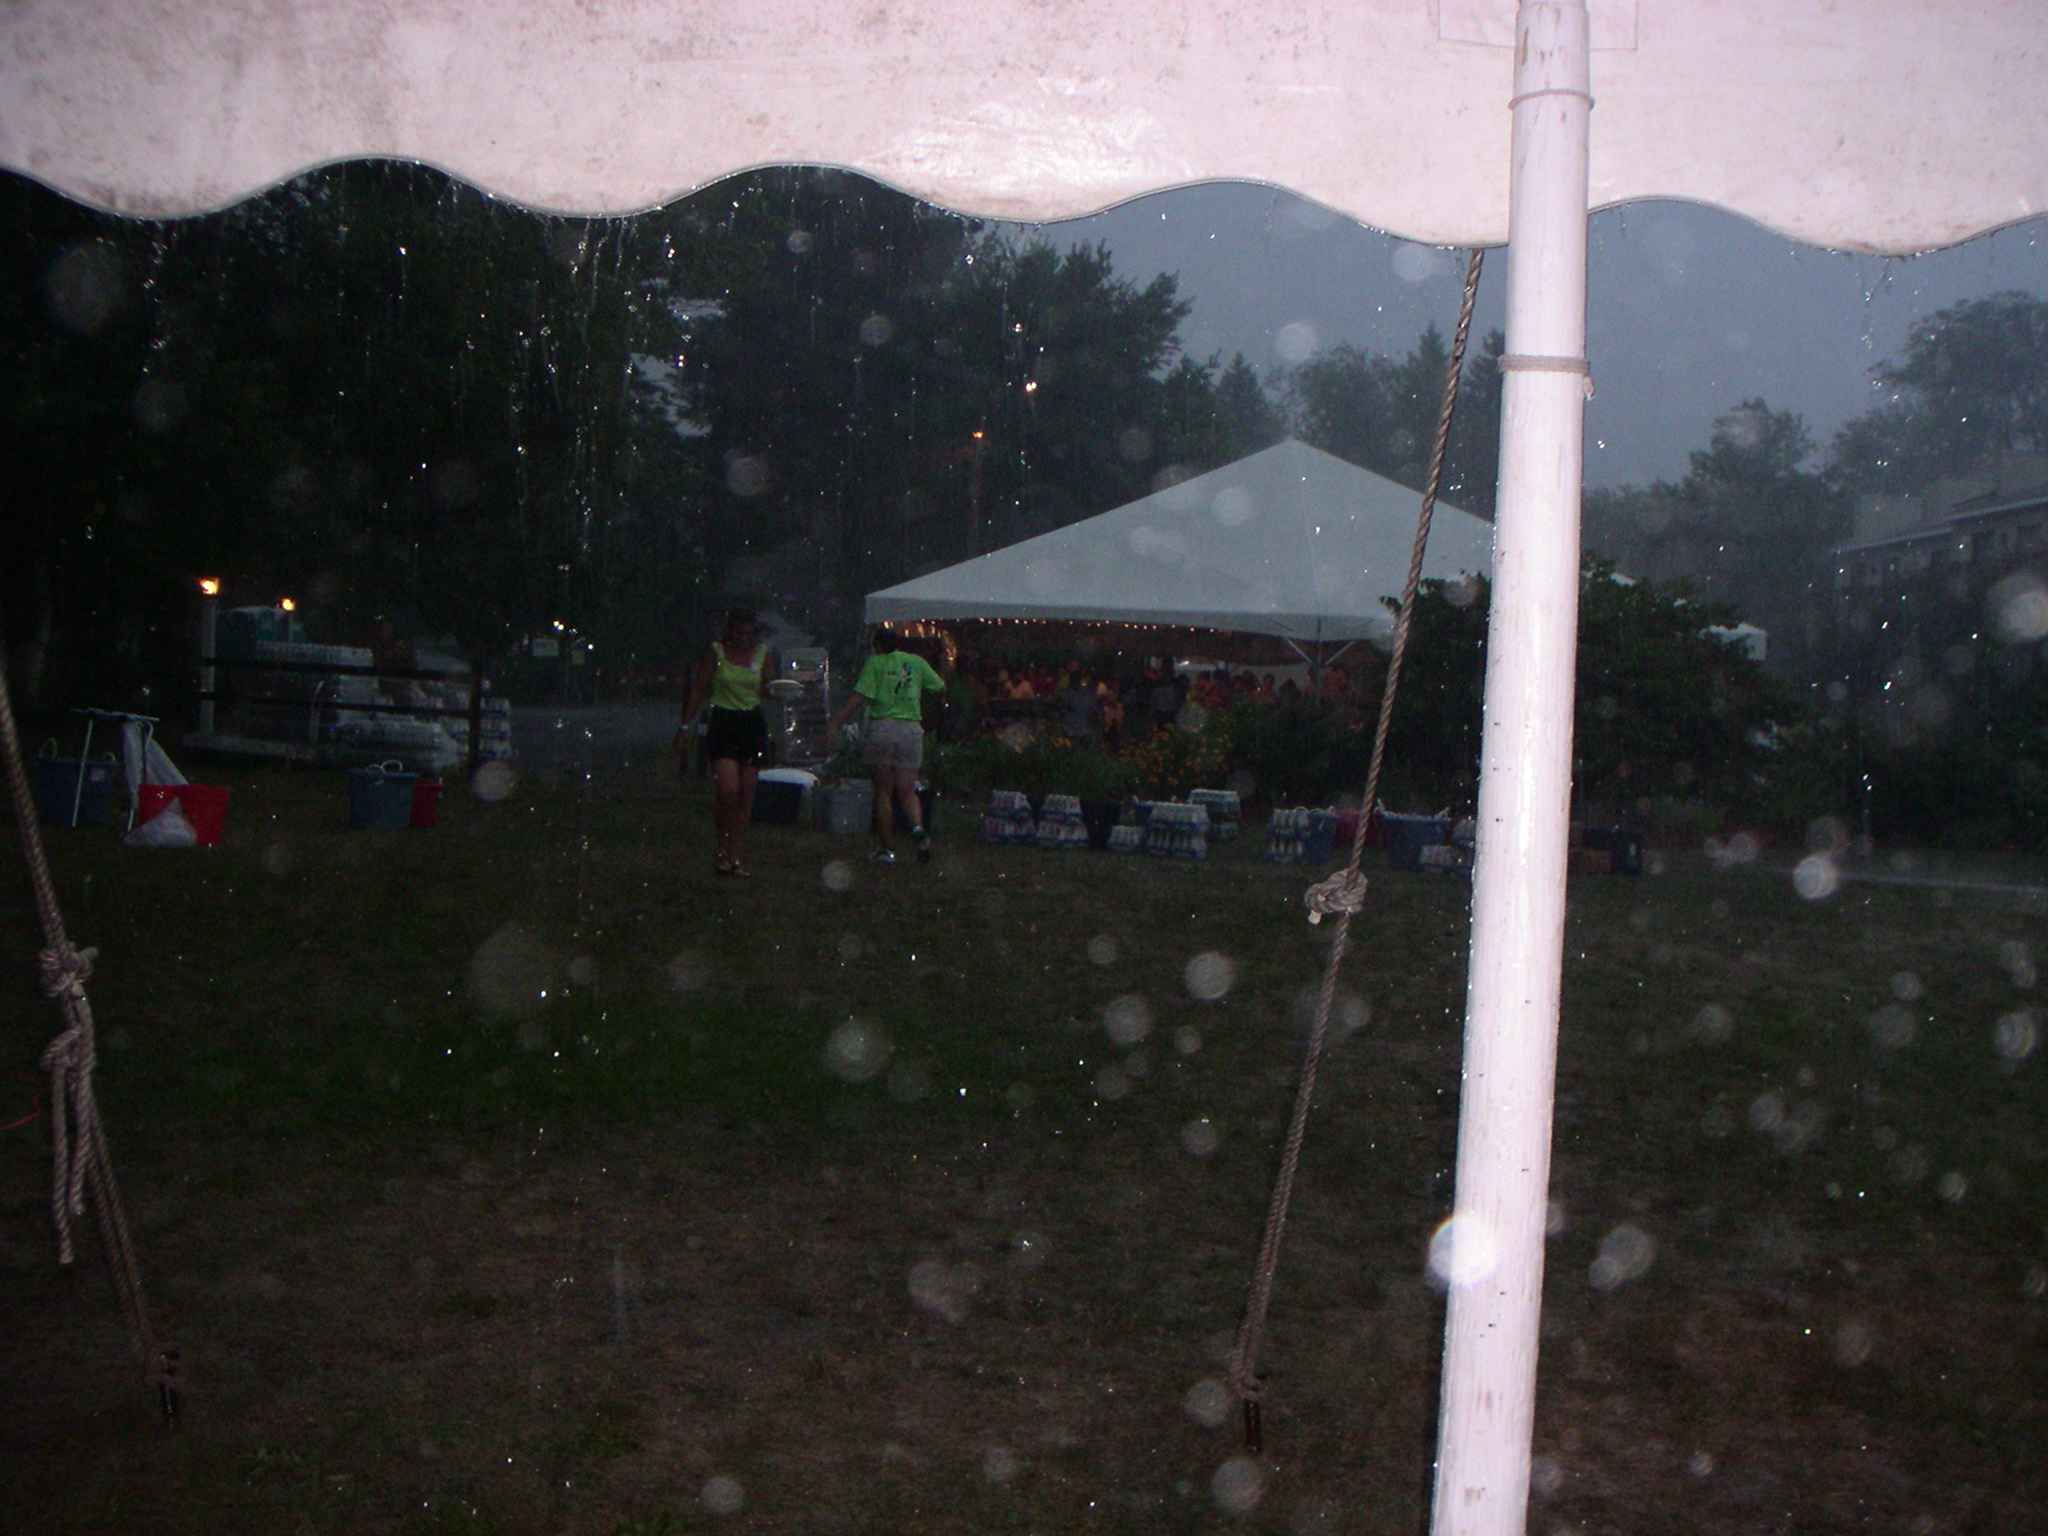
740, 734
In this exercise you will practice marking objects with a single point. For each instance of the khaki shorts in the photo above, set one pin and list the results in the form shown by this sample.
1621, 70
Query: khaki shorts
893, 744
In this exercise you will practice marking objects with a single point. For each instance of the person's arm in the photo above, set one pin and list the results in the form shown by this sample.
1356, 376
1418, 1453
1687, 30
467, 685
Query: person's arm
854, 700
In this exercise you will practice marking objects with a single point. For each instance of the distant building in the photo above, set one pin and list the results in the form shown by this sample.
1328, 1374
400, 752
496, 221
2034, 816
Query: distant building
1974, 542
1914, 610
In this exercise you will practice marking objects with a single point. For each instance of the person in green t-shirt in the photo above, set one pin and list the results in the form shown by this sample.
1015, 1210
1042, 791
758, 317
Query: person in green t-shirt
892, 687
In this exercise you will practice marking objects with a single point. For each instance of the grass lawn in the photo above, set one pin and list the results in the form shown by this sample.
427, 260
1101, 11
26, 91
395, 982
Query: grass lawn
520, 1175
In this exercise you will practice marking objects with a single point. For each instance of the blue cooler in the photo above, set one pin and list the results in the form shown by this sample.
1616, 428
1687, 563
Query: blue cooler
64, 784
782, 796
380, 796
1319, 837
1407, 836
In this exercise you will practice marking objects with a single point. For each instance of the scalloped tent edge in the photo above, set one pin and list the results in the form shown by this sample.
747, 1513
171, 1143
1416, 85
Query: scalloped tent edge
1879, 127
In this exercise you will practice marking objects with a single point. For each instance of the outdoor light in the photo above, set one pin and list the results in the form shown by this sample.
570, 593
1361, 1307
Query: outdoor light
287, 604
209, 586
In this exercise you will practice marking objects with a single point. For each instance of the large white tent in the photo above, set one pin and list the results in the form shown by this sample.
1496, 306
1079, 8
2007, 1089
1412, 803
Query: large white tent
1890, 125
1290, 541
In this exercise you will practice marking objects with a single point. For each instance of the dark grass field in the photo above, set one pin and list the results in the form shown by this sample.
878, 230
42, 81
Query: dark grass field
519, 1175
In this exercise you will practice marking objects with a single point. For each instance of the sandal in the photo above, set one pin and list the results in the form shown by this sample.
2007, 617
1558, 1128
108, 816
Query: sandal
740, 870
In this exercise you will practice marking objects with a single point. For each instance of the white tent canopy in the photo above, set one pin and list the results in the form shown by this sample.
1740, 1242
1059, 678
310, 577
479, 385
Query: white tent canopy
1290, 541
1887, 125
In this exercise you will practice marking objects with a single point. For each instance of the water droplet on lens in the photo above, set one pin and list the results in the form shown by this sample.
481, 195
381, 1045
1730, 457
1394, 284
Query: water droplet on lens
1296, 341
1852, 1343
723, 1495
1128, 1019
1713, 1023
1209, 975
1766, 1111
1626, 1253
1892, 1027
2016, 1035
494, 780
1232, 506
511, 972
1199, 1138
687, 971
1461, 1251
1816, 877
1238, 1485
1207, 1402
858, 1051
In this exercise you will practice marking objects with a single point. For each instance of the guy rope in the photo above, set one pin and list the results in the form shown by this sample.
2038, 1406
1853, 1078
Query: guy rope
1342, 895
80, 1160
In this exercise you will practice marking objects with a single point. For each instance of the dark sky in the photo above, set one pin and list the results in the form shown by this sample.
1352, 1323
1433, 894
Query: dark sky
1690, 309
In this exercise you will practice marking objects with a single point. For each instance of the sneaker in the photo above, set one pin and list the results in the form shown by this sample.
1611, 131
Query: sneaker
923, 839
882, 856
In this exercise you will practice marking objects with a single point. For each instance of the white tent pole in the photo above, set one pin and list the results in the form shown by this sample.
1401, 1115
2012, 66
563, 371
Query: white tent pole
1492, 1253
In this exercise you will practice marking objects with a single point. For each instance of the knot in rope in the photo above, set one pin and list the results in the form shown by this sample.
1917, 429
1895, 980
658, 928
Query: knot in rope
1342, 892
73, 1114
63, 970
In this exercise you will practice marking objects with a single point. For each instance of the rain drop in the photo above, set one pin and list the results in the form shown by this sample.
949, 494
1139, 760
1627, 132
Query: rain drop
1296, 342
1626, 1253
1462, 1250
1207, 1402
857, 1051
1210, 975
723, 1495
1238, 1485
1128, 1019
688, 971
2016, 1035
494, 781
1852, 1344
1816, 877
1232, 507
1713, 1023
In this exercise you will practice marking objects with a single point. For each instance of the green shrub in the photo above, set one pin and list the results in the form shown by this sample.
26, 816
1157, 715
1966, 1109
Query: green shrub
1047, 764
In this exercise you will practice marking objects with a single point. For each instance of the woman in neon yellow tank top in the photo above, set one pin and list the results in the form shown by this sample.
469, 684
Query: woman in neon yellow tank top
727, 682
